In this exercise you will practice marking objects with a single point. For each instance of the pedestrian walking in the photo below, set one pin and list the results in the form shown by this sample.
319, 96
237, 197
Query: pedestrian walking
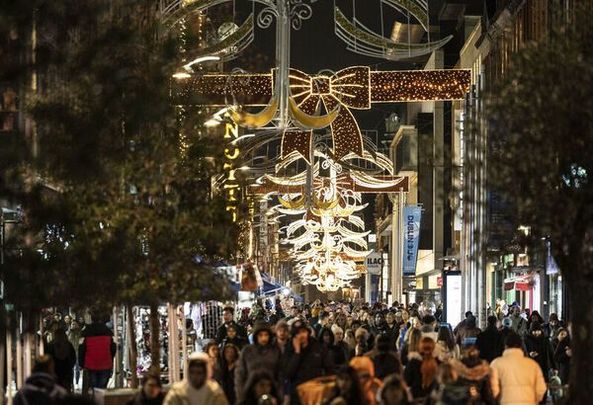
394, 391
260, 389
151, 390
518, 379
96, 352
563, 355
305, 359
474, 374
229, 360
420, 373
446, 348
228, 318
347, 389
198, 387
263, 354
539, 348
64, 356
489, 342
369, 382
41, 387
385, 360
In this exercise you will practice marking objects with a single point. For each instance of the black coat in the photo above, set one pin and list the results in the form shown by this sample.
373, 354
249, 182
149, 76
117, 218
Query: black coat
312, 362
39, 389
562, 359
489, 343
386, 363
221, 332
140, 399
413, 377
545, 353
64, 357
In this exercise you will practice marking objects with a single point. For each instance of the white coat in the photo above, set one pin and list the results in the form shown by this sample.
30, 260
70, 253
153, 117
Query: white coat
517, 378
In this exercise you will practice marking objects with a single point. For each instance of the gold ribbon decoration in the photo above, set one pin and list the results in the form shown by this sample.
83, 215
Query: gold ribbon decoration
347, 89
257, 120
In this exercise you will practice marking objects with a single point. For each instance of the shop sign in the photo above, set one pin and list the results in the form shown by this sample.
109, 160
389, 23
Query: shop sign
231, 184
374, 263
412, 217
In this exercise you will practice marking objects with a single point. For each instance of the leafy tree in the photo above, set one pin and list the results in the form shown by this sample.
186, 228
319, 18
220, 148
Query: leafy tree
540, 119
117, 203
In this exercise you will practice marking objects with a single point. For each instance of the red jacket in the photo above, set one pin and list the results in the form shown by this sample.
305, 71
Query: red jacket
98, 349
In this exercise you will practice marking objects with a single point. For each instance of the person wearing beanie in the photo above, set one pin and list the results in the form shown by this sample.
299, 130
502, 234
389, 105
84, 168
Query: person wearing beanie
361, 337
197, 388
341, 348
263, 354
305, 359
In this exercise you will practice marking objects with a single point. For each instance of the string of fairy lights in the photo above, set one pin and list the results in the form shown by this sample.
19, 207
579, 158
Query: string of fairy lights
322, 198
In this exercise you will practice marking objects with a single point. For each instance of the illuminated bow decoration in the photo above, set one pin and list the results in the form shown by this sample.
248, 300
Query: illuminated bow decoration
348, 88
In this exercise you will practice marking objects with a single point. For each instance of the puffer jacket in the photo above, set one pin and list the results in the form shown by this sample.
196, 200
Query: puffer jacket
519, 379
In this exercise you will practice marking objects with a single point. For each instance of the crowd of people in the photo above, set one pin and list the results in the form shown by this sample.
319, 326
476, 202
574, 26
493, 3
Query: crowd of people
338, 353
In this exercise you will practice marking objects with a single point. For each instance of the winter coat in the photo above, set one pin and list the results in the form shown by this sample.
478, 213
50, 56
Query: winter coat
98, 349
476, 378
517, 378
311, 362
519, 325
562, 359
221, 332
256, 357
64, 360
341, 353
227, 382
413, 377
545, 353
386, 363
490, 344
40, 389
181, 393
140, 399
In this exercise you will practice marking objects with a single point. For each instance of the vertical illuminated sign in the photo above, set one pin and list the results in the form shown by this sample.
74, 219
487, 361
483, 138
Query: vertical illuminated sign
231, 153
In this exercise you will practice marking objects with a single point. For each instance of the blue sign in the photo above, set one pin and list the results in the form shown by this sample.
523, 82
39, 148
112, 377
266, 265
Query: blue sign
412, 216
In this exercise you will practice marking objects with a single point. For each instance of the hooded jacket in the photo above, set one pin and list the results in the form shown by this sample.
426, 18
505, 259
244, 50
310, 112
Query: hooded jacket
182, 392
257, 357
39, 389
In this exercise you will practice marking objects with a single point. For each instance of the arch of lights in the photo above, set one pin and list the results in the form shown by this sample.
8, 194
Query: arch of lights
326, 235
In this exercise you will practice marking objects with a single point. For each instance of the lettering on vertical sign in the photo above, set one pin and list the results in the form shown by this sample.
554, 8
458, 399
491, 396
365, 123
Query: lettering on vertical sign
231, 154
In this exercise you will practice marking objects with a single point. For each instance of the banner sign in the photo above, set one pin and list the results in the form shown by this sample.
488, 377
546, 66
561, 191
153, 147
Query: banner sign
374, 262
412, 217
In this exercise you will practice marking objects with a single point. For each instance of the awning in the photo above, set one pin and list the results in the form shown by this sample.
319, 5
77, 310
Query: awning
519, 283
